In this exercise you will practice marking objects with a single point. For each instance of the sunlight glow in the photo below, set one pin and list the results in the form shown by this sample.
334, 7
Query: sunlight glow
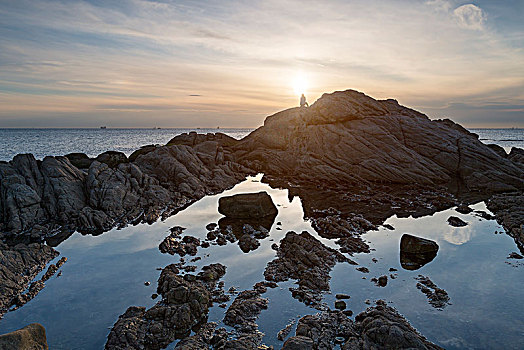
300, 85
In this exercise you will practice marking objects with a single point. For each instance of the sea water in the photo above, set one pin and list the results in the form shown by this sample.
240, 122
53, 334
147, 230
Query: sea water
59, 142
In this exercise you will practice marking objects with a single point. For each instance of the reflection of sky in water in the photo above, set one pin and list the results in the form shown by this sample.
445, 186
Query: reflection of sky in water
105, 274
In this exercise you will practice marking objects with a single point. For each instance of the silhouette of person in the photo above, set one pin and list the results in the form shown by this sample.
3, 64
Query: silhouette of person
303, 102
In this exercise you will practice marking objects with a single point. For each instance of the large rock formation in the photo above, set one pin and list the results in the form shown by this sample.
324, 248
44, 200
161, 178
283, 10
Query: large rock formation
348, 137
41, 196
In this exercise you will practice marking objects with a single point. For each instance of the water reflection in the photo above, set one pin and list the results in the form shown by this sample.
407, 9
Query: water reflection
105, 274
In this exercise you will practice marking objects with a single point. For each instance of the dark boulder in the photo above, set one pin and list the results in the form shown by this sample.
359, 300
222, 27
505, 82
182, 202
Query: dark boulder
140, 151
31, 337
416, 252
80, 160
112, 158
498, 149
298, 342
456, 222
417, 245
247, 205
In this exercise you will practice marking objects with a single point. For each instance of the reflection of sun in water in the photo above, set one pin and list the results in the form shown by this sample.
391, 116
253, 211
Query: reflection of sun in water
300, 85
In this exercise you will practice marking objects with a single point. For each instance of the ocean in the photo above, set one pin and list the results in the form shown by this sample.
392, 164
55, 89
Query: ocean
54, 142
45, 142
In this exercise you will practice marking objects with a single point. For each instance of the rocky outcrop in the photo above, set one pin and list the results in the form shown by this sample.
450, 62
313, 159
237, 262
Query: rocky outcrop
31, 337
19, 265
37, 197
304, 258
379, 327
509, 211
184, 306
437, 297
247, 205
382, 327
348, 137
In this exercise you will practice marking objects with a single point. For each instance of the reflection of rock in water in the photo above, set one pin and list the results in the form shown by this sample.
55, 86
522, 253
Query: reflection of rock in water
239, 226
249, 217
416, 252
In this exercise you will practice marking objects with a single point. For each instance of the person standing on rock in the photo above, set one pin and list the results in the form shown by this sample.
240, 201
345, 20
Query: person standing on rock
303, 102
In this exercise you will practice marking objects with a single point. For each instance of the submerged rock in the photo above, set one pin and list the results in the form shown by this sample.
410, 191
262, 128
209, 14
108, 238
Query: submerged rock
437, 297
247, 205
31, 337
306, 259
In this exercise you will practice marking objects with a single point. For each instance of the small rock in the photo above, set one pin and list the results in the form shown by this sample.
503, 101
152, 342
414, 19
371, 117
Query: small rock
363, 269
515, 255
147, 283
342, 296
456, 221
211, 226
340, 304
464, 209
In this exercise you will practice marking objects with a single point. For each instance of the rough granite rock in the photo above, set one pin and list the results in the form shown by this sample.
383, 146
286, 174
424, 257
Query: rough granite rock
19, 265
348, 137
184, 306
382, 327
36, 197
31, 337
509, 211
379, 327
306, 259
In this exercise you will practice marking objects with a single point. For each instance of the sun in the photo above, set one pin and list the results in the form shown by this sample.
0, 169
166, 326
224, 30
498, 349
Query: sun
300, 85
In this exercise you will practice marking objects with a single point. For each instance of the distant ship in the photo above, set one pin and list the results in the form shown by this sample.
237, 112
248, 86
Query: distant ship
103, 127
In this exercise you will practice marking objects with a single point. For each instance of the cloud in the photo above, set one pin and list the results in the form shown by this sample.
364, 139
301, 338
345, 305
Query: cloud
144, 56
470, 16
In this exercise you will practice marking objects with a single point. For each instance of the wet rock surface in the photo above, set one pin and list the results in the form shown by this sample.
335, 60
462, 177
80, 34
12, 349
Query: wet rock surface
382, 327
437, 297
509, 211
31, 337
379, 327
19, 265
184, 306
305, 259
244, 311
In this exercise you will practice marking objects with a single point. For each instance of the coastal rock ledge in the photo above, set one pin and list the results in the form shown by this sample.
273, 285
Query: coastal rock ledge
348, 137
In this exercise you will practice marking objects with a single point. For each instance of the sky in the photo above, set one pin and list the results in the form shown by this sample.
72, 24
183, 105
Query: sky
138, 63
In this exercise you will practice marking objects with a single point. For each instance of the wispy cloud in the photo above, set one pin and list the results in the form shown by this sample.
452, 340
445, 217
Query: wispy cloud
152, 58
